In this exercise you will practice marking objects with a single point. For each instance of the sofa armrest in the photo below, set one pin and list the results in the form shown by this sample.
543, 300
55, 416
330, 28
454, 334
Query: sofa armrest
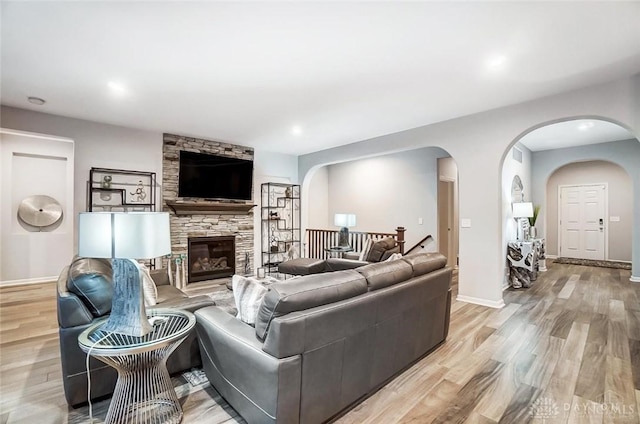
351, 255
259, 386
159, 276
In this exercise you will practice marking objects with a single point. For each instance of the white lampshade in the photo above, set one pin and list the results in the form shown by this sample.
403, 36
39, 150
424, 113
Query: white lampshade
523, 210
131, 235
344, 220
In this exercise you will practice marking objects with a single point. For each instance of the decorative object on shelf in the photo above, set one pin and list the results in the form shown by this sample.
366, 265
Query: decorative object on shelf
344, 220
123, 237
106, 182
139, 193
40, 211
292, 253
517, 190
274, 215
533, 233
261, 272
287, 192
522, 210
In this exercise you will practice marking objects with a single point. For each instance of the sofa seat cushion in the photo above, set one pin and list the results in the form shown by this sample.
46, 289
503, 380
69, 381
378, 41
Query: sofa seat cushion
385, 274
166, 293
302, 266
190, 304
424, 263
305, 293
90, 280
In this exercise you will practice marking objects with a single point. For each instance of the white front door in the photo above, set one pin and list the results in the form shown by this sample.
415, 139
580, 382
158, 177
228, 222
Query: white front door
582, 221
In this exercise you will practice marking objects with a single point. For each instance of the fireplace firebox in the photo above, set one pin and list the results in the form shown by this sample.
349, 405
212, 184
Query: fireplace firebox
211, 257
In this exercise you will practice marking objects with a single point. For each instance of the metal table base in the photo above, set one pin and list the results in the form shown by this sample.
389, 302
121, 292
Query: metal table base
143, 393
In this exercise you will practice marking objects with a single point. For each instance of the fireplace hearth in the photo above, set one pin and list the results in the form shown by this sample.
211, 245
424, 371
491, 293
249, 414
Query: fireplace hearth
211, 257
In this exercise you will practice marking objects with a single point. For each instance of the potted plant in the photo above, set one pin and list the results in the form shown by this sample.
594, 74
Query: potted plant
532, 222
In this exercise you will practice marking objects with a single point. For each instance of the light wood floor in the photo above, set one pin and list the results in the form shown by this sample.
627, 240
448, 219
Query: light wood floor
564, 351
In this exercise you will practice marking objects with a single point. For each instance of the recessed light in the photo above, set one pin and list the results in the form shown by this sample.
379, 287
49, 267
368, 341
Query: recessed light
496, 62
296, 130
585, 126
116, 87
36, 100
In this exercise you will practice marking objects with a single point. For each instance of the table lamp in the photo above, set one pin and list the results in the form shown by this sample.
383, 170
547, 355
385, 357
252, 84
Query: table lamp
122, 237
344, 220
522, 210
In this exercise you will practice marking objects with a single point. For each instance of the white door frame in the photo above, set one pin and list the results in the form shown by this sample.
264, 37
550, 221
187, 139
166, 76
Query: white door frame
605, 218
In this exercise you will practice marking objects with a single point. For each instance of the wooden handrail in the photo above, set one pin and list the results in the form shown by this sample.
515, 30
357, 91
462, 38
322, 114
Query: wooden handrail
419, 244
317, 240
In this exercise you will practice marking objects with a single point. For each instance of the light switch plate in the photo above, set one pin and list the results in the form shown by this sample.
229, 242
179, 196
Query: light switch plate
465, 223
420, 221
614, 219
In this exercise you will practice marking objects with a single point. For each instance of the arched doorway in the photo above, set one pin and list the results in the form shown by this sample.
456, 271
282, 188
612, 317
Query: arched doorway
386, 191
552, 145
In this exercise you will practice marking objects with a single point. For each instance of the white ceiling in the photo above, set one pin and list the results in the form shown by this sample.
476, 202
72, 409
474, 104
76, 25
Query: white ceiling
248, 73
578, 132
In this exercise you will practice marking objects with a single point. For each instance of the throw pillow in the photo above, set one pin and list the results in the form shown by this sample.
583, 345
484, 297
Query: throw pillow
379, 247
365, 249
248, 295
90, 280
149, 289
394, 257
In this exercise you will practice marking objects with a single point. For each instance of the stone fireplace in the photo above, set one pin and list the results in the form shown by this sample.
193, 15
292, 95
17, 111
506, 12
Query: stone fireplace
210, 258
193, 219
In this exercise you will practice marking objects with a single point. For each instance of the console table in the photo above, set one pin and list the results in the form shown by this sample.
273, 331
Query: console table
525, 258
144, 392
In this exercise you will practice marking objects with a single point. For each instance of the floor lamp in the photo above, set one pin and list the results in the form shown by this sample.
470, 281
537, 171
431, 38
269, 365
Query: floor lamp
522, 210
123, 237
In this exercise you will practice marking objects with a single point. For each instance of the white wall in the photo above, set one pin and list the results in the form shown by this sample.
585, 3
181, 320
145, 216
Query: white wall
478, 143
620, 203
318, 191
32, 164
511, 168
389, 191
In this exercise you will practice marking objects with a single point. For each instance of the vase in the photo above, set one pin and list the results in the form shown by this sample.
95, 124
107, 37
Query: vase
533, 232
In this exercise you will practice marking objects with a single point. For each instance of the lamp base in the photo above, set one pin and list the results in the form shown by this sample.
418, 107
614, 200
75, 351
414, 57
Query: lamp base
343, 237
128, 314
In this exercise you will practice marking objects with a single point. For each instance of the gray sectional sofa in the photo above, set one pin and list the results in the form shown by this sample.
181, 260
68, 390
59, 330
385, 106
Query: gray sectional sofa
324, 342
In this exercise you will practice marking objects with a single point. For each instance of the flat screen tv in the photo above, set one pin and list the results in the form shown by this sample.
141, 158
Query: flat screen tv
214, 177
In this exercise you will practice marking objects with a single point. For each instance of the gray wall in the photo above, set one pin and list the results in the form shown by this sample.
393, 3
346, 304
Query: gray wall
479, 144
623, 153
388, 191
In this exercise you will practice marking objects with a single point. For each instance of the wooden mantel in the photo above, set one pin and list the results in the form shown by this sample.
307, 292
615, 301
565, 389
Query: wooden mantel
209, 208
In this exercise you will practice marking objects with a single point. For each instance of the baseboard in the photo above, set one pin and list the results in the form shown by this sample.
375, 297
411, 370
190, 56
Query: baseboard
482, 302
27, 281
634, 279
551, 256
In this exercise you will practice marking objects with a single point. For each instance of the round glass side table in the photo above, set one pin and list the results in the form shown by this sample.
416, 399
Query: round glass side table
143, 393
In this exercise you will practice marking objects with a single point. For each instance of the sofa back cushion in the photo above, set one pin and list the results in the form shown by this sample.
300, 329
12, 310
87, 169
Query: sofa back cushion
423, 263
384, 274
90, 280
307, 292
379, 247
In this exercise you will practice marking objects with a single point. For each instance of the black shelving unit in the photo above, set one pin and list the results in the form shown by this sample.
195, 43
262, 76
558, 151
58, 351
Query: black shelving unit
120, 190
280, 222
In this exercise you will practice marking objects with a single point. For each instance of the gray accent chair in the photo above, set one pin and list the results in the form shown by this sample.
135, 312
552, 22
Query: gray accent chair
84, 295
324, 342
